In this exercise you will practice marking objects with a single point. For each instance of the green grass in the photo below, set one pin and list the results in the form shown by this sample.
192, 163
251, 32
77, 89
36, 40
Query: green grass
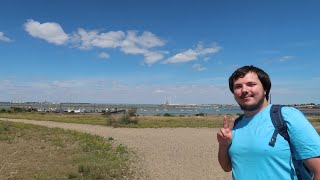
211, 121
96, 119
142, 121
175, 122
35, 152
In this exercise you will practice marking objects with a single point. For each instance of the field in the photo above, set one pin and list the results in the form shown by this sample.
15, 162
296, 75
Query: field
35, 152
132, 121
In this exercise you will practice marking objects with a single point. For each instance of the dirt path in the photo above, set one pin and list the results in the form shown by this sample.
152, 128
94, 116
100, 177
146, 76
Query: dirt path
166, 153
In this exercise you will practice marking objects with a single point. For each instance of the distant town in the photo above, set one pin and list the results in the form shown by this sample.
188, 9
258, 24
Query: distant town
71, 107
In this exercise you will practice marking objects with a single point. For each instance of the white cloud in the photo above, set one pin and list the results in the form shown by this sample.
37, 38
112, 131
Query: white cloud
4, 38
89, 39
286, 58
148, 40
159, 91
49, 31
186, 56
152, 57
135, 44
144, 41
198, 67
103, 55
68, 83
129, 46
192, 54
128, 42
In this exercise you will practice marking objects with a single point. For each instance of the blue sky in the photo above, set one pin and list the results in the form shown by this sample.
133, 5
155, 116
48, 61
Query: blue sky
145, 52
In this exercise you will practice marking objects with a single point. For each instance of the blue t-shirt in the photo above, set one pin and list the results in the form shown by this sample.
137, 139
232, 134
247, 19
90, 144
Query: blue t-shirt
253, 158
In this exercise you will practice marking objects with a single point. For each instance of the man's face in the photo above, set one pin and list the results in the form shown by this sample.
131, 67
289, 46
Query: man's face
248, 92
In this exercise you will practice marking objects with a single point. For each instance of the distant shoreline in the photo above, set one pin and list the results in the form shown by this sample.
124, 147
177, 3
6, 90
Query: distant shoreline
151, 109
309, 111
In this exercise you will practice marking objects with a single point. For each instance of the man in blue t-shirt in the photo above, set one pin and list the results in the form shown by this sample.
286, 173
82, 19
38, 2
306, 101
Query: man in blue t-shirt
245, 148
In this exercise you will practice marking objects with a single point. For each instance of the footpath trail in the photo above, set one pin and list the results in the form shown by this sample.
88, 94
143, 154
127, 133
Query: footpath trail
164, 153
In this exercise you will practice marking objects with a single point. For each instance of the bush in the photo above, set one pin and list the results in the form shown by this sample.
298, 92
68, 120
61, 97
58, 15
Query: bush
168, 115
119, 120
18, 109
132, 112
201, 114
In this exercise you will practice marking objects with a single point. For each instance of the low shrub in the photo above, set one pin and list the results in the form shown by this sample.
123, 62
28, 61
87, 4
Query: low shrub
122, 119
132, 112
201, 114
168, 115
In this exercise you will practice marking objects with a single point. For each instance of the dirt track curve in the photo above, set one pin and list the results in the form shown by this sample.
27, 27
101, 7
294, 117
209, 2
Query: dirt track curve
165, 153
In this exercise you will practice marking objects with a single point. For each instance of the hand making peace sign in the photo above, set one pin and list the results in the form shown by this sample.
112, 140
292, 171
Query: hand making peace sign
224, 136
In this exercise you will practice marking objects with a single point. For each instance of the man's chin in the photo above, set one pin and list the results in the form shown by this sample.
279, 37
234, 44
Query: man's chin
249, 107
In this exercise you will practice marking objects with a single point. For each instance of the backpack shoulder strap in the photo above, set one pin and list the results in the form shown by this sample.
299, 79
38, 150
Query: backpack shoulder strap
278, 123
281, 128
237, 120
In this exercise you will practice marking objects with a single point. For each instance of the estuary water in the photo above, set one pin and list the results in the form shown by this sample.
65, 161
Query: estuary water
142, 109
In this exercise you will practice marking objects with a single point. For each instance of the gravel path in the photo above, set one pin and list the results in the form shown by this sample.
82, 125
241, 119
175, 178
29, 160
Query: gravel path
165, 153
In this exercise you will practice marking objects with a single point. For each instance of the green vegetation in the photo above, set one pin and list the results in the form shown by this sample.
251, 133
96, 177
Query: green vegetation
315, 121
125, 119
168, 115
213, 121
35, 152
96, 119
131, 120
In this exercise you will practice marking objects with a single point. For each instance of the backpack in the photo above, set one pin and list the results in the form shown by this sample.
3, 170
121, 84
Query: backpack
302, 171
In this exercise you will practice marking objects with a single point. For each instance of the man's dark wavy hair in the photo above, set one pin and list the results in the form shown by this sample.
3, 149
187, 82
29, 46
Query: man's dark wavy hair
263, 77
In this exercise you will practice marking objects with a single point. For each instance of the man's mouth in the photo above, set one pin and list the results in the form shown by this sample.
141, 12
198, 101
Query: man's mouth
245, 96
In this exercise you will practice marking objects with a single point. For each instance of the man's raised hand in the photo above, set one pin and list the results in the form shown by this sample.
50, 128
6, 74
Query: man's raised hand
224, 135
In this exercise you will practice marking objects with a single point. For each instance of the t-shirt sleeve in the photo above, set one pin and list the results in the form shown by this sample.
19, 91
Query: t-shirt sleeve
303, 136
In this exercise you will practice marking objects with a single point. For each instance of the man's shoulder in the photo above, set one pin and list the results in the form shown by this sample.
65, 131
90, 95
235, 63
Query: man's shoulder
289, 112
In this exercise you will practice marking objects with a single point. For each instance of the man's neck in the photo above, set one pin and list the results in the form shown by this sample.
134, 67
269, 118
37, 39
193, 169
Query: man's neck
254, 112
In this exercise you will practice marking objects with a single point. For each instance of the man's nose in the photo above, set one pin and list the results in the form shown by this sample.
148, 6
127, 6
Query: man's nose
244, 89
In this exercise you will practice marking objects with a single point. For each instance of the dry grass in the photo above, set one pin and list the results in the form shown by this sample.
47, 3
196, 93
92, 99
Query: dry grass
89, 118
142, 121
34, 152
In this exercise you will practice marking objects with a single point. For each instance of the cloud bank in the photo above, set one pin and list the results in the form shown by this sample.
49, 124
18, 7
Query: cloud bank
128, 42
108, 90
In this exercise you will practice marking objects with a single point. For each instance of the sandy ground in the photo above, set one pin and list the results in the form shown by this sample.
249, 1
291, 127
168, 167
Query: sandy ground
165, 153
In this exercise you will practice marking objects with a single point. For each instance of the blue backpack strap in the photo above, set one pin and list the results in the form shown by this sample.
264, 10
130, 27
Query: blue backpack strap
237, 120
281, 128
278, 123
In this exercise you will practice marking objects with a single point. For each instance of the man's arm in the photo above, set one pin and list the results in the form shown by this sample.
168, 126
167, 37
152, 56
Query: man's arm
224, 158
224, 137
314, 166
